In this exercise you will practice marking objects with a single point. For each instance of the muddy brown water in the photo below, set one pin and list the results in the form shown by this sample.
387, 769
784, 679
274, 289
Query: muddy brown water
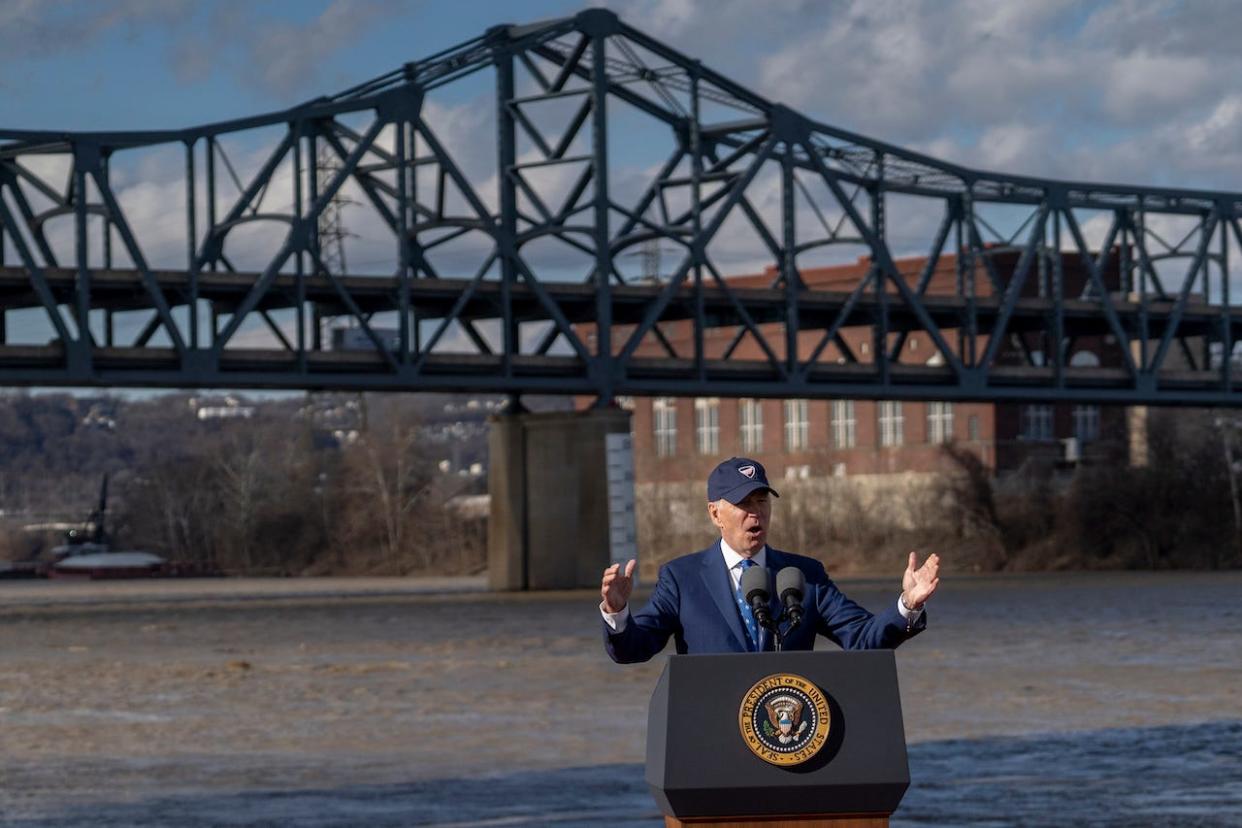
1092, 699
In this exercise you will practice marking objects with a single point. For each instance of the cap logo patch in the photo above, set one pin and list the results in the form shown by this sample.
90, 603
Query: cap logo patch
747, 471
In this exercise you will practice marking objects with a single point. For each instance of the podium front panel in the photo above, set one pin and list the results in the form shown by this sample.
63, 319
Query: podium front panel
699, 763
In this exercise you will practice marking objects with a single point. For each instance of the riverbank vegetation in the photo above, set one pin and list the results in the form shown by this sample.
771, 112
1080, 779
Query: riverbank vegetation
389, 485
286, 487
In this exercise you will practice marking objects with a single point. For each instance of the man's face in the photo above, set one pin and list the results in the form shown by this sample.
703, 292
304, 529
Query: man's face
744, 526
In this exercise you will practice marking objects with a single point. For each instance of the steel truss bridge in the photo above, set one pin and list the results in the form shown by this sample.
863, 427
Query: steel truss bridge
508, 186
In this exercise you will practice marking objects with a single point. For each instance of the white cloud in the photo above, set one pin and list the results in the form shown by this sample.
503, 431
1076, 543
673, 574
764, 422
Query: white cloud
1013, 147
1137, 91
1219, 135
1141, 87
287, 56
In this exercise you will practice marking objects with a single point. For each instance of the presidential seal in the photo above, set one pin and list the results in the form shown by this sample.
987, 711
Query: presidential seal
784, 719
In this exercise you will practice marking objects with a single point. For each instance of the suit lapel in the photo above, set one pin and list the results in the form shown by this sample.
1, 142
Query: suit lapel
720, 587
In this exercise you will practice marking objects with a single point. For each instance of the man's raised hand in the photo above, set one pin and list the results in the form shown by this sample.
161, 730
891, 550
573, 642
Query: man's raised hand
919, 582
616, 587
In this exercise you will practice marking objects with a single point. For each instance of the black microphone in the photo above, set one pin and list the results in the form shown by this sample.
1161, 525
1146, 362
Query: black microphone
791, 586
756, 589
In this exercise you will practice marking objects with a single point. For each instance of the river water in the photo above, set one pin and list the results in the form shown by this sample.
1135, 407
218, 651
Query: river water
1083, 699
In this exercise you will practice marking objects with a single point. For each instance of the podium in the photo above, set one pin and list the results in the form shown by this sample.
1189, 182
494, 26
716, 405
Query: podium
778, 740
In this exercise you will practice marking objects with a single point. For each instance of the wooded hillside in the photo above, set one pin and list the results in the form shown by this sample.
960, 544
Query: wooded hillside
296, 486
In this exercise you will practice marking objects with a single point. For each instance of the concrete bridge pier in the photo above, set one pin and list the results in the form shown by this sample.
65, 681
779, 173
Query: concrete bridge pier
562, 498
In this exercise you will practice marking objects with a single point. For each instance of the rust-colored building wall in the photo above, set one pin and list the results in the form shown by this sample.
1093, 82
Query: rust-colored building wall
820, 457
990, 430
1013, 449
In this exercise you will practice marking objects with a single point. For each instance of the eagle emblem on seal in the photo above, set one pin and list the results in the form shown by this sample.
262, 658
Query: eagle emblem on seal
784, 719
785, 716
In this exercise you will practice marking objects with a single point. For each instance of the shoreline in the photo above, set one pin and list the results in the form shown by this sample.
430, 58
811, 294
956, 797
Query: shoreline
21, 595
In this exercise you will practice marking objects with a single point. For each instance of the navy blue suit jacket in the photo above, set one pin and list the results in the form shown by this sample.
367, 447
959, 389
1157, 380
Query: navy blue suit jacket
694, 603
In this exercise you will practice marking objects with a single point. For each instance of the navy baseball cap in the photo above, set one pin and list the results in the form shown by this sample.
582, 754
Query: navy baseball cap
735, 478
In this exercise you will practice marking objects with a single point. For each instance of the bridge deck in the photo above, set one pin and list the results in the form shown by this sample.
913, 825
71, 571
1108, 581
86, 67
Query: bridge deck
123, 290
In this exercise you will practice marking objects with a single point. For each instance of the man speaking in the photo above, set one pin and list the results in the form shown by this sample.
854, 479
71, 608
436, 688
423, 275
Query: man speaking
708, 604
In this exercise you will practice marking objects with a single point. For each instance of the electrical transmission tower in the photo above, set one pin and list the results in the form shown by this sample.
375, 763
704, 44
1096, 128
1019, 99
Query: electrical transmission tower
334, 413
649, 253
332, 231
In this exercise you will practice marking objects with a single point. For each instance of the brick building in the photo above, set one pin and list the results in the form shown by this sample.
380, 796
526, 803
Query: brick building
680, 439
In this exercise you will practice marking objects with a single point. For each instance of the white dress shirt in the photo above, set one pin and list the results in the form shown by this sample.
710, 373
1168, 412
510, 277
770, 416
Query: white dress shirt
733, 560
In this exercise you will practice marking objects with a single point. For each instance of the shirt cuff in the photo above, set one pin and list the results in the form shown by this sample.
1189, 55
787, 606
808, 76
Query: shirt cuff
617, 620
910, 615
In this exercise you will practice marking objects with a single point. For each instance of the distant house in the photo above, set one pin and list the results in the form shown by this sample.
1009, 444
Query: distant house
230, 408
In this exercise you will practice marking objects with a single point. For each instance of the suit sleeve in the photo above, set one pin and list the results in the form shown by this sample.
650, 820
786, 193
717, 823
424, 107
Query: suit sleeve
854, 628
647, 630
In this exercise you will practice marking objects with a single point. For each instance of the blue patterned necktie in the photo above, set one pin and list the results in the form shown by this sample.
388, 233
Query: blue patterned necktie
748, 615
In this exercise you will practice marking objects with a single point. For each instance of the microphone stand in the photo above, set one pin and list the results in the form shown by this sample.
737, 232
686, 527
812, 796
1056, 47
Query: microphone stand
794, 620
774, 629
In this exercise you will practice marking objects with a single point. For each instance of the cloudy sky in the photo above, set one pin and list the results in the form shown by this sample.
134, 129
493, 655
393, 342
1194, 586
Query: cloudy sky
1141, 91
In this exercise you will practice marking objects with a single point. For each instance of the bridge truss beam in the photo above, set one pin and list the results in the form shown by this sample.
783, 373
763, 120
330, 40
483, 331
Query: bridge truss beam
505, 231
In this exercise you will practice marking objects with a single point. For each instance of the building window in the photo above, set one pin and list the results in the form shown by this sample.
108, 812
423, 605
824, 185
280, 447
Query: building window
1087, 423
892, 423
1036, 422
802, 472
843, 424
796, 425
939, 422
972, 428
750, 415
707, 425
664, 419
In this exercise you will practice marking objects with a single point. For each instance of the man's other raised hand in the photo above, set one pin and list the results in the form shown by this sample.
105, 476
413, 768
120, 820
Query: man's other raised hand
616, 586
